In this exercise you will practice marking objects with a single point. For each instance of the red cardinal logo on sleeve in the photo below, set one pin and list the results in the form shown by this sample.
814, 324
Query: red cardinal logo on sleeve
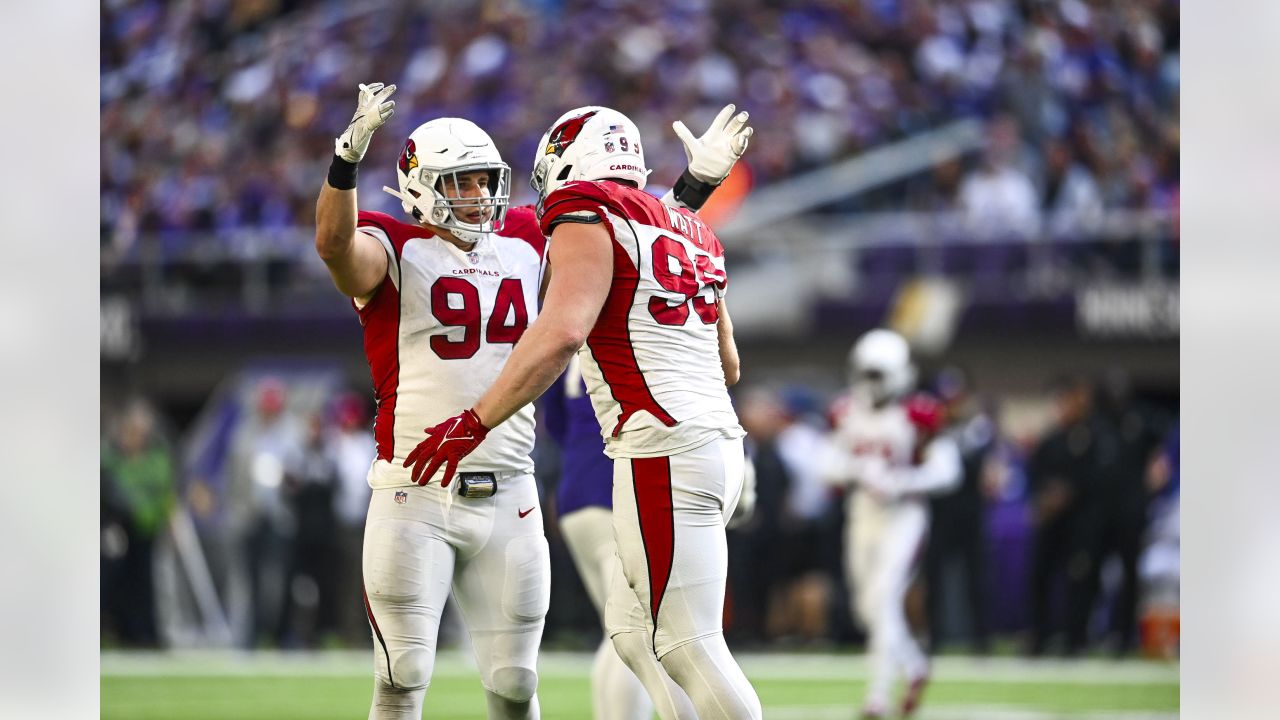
408, 157
565, 133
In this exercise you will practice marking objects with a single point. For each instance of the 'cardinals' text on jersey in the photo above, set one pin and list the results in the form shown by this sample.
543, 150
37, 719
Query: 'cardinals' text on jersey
652, 361
438, 331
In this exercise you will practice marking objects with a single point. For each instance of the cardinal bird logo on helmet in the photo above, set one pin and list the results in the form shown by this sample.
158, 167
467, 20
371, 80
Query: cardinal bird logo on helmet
409, 157
565, 133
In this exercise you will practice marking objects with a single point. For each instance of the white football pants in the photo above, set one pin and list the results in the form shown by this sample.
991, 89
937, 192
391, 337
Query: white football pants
616, 692
669, 515
492, 553
883, 545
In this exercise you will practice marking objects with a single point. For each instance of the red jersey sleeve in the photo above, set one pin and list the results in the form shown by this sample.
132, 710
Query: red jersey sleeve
576, 197
522, 223
391, 231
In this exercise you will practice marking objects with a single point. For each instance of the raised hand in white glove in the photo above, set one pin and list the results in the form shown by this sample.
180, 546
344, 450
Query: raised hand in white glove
372, 111
713, 155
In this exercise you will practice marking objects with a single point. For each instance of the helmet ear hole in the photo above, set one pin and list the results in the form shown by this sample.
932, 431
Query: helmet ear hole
564, 174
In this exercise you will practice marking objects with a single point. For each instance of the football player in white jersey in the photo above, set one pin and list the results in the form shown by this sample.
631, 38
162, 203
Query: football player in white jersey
638, 293
442, 302
887, 445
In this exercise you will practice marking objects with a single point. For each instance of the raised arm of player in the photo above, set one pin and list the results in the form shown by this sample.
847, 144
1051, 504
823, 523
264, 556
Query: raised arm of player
728, 348
357, 262
711, 157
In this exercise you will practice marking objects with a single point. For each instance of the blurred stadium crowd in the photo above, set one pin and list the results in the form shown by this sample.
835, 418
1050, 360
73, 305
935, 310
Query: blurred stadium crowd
1067, 538
218, 115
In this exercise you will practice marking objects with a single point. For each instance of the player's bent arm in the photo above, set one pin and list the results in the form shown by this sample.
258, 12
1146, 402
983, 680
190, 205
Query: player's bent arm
837, 466
578, 290
546, 281
940, 471
728, 348
357, 262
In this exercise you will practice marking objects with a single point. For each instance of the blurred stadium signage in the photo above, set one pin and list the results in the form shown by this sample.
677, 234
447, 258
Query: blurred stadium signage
1146, 311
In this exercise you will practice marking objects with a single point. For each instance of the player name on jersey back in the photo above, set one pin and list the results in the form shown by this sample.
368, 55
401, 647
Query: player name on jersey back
439, 330
652, 361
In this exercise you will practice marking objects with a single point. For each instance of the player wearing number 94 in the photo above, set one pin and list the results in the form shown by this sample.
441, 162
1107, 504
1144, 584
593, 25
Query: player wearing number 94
638, 294
442, 301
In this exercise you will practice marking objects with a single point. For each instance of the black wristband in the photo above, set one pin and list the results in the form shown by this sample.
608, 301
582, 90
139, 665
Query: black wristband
692, 192
342, 174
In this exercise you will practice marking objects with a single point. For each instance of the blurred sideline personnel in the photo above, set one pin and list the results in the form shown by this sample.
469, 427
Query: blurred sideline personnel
888, 445
957, 531
354, 451
638, 293
1113, 521
138, 496
251, 556
442, 303
1060, 473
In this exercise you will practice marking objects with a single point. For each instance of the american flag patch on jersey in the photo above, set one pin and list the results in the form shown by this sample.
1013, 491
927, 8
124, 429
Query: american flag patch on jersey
402, 497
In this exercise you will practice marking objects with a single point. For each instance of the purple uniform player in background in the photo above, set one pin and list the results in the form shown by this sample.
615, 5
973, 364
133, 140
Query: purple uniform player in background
584, 500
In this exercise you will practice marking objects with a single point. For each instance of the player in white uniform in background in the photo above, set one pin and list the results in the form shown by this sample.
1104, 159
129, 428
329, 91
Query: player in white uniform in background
886, 444
638, 292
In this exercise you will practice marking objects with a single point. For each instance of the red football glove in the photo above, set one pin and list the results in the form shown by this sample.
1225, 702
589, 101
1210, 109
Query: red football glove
446, 443
925, 413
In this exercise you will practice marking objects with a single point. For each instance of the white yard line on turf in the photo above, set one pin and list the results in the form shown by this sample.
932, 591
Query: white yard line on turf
960, 712
778, 666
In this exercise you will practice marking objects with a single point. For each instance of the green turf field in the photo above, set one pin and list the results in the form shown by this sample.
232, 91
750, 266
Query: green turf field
272, 686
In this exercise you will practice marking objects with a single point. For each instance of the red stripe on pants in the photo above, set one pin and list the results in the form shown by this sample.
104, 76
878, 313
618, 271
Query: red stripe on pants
651, 479
373, 623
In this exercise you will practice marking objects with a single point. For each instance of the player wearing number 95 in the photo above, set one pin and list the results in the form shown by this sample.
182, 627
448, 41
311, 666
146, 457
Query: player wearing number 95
442, 301
638, 293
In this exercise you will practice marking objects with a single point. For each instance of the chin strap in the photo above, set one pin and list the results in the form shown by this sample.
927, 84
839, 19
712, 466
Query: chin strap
397, 194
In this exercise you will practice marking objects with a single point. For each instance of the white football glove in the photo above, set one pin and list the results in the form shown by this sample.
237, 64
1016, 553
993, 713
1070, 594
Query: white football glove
713, 155
373, 110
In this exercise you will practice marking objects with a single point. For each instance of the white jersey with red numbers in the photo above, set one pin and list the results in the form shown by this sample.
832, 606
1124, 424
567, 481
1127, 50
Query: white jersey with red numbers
438, 331
652, 361
863, 430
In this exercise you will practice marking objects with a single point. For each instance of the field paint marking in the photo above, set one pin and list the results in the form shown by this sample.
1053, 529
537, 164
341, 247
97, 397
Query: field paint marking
763, 666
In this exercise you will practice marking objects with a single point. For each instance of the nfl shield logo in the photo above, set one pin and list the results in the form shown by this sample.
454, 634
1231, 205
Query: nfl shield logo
402, 497
474, 257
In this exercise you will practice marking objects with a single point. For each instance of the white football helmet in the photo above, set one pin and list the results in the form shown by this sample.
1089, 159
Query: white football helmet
589, 143
881, 362
445, 149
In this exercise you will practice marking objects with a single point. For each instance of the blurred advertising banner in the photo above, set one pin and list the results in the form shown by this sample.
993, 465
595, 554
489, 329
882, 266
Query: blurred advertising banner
1143, 311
